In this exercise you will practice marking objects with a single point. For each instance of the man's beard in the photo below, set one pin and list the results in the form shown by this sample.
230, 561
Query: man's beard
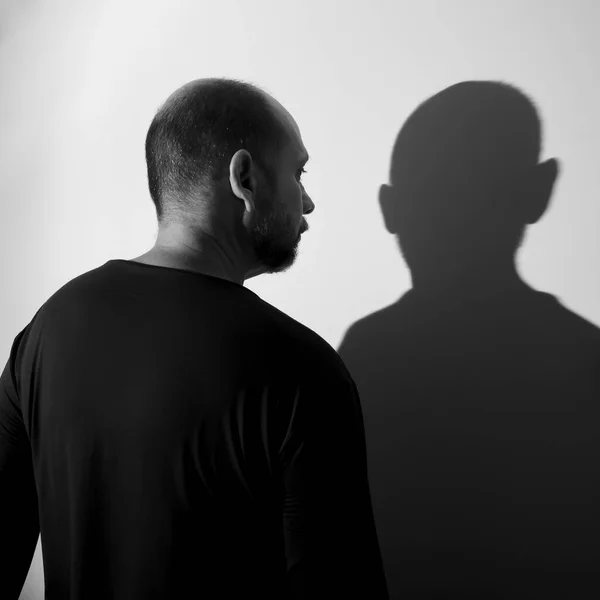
274, 240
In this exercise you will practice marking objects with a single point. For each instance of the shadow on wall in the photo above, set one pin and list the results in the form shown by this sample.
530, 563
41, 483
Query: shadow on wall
480, 394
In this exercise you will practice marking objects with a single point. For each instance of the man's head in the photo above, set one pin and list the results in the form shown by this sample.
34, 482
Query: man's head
224, 152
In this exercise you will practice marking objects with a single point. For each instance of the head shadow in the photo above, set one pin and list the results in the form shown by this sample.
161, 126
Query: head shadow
465, 182
478, 391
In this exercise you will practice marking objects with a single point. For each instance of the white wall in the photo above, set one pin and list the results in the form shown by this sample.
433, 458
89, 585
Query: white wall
81, 81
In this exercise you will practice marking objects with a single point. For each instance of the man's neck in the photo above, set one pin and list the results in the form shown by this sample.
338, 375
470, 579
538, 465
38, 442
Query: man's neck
202, 254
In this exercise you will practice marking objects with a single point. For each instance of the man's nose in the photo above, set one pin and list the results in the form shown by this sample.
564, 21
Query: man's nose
308, 205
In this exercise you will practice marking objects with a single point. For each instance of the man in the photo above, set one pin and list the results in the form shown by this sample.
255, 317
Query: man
176, 435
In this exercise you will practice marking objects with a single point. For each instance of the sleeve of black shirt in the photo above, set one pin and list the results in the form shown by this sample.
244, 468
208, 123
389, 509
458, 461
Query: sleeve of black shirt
19, 521
331, 542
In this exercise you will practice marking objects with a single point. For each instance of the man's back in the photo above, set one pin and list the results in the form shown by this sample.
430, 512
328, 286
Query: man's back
188, 438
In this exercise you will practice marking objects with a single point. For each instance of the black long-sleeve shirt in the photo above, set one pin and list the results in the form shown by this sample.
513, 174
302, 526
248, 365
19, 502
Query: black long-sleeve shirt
172, 435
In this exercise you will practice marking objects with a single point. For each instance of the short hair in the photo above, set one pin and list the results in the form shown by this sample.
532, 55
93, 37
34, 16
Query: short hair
195, 133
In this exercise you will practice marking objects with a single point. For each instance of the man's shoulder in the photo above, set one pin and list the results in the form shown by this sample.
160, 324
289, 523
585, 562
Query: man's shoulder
70, 293
292, 330
289, 334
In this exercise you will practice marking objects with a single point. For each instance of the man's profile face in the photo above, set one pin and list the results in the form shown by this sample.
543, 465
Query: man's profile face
280, 208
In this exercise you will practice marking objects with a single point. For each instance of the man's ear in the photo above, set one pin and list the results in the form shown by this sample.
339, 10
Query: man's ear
387, 203
538, 190
242, 179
